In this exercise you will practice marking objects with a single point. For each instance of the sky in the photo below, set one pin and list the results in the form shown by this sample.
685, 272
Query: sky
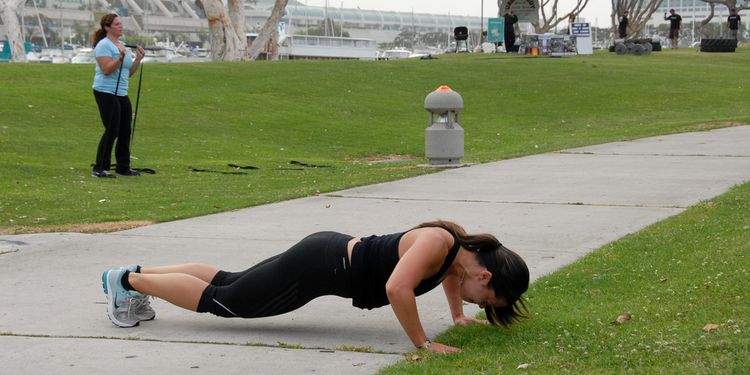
596, 10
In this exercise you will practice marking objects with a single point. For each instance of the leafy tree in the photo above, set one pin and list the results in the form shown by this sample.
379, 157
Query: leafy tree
410, 39
139, 40
434, 38
406, 38
82, 32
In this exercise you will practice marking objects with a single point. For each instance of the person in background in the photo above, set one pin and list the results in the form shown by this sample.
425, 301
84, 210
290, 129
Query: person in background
734, 24
571, 20
674, 27
510, 30
622, 28
114, 65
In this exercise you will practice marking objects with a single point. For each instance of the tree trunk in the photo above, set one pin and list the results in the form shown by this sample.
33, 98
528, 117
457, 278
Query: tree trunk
274, 44
731, 4
10, 18
225, 42
640, 13
237, 16
549, 22
272, 23
706, 21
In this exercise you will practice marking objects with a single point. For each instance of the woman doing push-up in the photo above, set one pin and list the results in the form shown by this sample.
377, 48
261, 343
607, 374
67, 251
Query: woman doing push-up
373, 271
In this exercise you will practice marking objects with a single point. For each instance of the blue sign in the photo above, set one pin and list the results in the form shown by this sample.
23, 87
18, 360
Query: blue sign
495, 30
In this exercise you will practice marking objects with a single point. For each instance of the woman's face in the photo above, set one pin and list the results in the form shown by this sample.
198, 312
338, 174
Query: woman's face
115, 29
476, 289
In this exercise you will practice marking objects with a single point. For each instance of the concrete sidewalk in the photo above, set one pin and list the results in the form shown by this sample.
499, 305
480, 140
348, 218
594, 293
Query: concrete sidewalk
551, 208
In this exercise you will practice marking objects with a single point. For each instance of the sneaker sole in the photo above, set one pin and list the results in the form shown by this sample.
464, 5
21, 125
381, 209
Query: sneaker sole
111, 302
147, 320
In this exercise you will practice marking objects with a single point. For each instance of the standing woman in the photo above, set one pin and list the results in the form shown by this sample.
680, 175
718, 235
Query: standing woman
114, 65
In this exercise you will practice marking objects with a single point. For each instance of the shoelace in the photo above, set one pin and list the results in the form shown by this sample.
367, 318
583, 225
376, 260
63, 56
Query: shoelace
138, 303
132, 302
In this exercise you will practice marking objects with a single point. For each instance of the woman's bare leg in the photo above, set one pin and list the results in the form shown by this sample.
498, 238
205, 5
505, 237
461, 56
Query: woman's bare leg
179, 289
201, 271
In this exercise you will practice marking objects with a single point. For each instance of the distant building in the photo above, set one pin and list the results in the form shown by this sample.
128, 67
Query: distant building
184, 16
383, 26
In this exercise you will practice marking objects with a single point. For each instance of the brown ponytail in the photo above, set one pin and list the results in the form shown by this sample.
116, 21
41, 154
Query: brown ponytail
483, 242
101, 32
510, 275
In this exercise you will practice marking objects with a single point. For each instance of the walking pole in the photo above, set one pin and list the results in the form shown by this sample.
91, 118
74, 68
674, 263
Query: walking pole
119, 75
135, 115
137, 100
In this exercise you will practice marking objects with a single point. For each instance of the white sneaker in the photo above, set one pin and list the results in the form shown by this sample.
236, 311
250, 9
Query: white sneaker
141, 304
120, 302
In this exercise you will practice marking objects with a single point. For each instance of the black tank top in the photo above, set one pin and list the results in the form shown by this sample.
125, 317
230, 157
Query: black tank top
373, 261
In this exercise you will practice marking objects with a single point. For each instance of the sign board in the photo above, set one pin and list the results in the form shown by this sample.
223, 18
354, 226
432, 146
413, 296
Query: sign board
526, 10
582, 33
495, 30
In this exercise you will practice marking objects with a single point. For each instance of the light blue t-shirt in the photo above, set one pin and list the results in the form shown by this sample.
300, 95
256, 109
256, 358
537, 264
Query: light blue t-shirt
108, 83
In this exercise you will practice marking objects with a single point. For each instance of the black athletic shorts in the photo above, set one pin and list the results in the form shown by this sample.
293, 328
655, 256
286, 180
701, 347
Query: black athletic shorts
316, 266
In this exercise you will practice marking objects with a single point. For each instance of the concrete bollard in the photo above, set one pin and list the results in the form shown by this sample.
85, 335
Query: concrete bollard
444, 138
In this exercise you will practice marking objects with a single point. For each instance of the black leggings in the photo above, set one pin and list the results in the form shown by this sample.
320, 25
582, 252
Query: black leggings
316, 266
116, 113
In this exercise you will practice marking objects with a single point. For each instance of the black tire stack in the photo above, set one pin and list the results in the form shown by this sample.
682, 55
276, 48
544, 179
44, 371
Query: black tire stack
630, 48
646, 46
718, 45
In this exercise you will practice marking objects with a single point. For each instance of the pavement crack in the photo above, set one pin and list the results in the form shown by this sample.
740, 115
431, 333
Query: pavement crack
648, 154
483, 201
280, 345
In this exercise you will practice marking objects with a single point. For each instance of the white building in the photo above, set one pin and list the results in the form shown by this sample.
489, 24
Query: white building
383, 26
184, 16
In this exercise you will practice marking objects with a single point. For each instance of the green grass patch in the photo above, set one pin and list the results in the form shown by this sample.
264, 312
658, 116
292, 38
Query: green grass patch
672, 278
357, 349
285, 345
336, 113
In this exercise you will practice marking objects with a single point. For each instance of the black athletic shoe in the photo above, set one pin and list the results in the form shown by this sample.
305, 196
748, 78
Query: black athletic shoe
102, 174
129, 172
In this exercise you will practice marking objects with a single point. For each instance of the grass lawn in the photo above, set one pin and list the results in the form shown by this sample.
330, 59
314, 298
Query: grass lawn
672, 278
341, 114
